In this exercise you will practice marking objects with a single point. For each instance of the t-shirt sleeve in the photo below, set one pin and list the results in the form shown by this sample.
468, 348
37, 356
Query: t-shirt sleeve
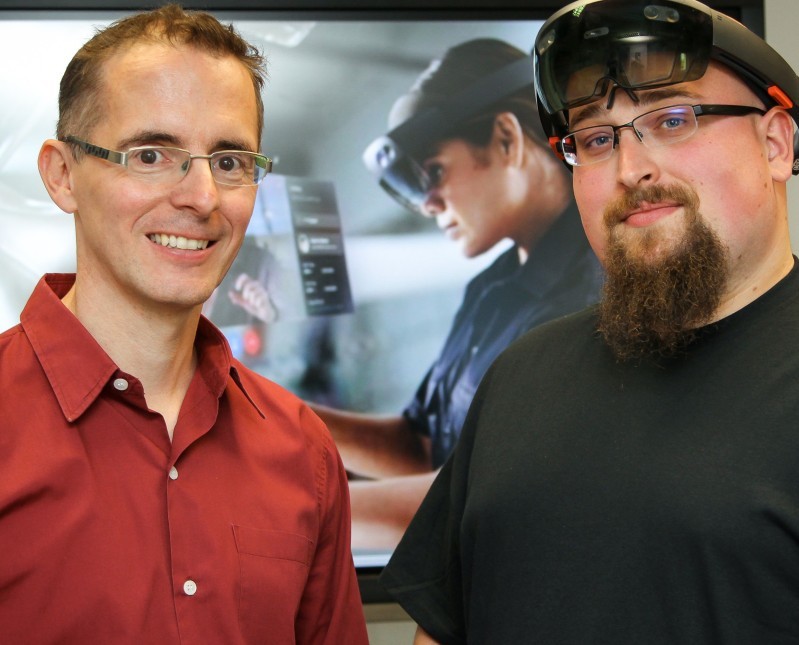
424, 574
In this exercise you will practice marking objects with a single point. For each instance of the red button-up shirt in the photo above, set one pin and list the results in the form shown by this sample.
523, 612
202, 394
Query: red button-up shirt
237, 531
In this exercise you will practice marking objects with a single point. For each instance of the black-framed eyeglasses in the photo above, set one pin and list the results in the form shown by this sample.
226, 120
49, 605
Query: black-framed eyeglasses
656, 128
167, 165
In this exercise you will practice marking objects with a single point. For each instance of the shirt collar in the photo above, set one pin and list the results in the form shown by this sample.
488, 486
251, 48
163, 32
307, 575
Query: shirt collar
215, 361
554, 255
78, 368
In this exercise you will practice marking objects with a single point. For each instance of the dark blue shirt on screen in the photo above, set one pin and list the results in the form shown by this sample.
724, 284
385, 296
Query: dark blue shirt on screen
561, 275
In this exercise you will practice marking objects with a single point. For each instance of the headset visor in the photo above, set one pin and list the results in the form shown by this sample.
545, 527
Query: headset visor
398, 172
396, 158
634, 44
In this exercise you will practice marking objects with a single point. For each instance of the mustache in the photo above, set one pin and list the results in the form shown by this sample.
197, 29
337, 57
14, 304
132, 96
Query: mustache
631, 200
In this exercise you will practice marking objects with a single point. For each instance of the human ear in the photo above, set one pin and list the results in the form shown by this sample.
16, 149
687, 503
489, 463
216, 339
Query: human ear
778, 129
55, 167
509, 135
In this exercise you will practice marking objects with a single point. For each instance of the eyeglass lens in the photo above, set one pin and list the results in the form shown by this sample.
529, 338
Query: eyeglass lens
234, 168
657, 128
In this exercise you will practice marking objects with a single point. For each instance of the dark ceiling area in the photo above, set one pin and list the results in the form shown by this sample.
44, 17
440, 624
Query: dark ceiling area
750, 12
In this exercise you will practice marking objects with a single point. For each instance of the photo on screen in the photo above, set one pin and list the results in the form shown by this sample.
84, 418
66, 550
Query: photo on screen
339, 293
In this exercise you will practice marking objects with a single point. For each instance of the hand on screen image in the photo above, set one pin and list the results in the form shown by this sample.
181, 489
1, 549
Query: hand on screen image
251, 295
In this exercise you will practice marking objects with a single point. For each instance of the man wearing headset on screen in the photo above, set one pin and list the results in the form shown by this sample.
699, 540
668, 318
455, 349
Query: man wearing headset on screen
649, 492
467, 149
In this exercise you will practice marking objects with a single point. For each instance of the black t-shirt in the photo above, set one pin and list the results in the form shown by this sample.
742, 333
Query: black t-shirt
595, 502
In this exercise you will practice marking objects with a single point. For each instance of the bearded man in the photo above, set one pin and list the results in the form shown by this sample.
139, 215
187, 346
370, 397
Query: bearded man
628, 474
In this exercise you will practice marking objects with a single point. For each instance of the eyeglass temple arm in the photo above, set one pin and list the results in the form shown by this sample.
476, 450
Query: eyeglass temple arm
122, 157
96, 151
727, 110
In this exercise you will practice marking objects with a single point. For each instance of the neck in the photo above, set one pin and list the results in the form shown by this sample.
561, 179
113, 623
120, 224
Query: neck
745, 289
547, 197
155, 346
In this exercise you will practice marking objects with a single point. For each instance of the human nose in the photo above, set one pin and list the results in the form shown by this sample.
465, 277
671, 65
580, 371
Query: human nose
633, 159
198, 189
432, 205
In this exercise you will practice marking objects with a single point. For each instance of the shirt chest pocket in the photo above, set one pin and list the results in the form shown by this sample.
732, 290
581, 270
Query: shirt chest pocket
274, 567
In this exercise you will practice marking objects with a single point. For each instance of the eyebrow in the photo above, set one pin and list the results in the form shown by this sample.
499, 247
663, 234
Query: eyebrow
233, 144
596, 109
148, 138
155, 137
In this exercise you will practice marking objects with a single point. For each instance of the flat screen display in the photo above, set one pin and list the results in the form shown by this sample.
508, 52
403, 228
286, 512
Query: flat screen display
355, 293
339, 294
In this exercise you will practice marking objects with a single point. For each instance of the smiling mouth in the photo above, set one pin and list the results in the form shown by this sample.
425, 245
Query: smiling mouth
178, 241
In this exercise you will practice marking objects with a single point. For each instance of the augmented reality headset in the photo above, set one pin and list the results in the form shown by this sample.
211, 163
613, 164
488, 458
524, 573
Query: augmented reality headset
395, 158
588, 46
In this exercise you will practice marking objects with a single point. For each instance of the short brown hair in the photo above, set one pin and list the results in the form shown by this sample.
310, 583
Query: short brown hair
78, 98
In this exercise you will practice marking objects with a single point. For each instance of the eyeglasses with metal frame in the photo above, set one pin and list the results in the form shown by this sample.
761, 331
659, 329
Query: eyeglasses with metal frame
168, 165
656, 128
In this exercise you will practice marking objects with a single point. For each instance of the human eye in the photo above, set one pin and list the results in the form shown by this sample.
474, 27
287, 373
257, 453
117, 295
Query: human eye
150, 159
593, 142
670, 122
231, 163
673, 122
435, 173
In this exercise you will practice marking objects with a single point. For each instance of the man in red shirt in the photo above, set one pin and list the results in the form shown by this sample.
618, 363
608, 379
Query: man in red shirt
152, 488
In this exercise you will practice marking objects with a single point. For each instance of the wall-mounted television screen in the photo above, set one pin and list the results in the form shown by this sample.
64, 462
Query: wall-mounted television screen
339, 293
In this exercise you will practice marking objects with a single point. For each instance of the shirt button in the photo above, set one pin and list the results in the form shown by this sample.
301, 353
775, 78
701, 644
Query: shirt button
173, 473
120, 384
190, 587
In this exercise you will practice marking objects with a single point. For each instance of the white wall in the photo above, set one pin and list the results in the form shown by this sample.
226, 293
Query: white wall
388, 624
782, 16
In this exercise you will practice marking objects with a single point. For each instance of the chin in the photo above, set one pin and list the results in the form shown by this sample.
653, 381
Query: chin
653, 244
471, 250
182, 298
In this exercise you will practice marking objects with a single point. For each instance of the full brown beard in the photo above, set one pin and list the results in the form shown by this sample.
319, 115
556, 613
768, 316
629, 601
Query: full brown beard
651, 308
